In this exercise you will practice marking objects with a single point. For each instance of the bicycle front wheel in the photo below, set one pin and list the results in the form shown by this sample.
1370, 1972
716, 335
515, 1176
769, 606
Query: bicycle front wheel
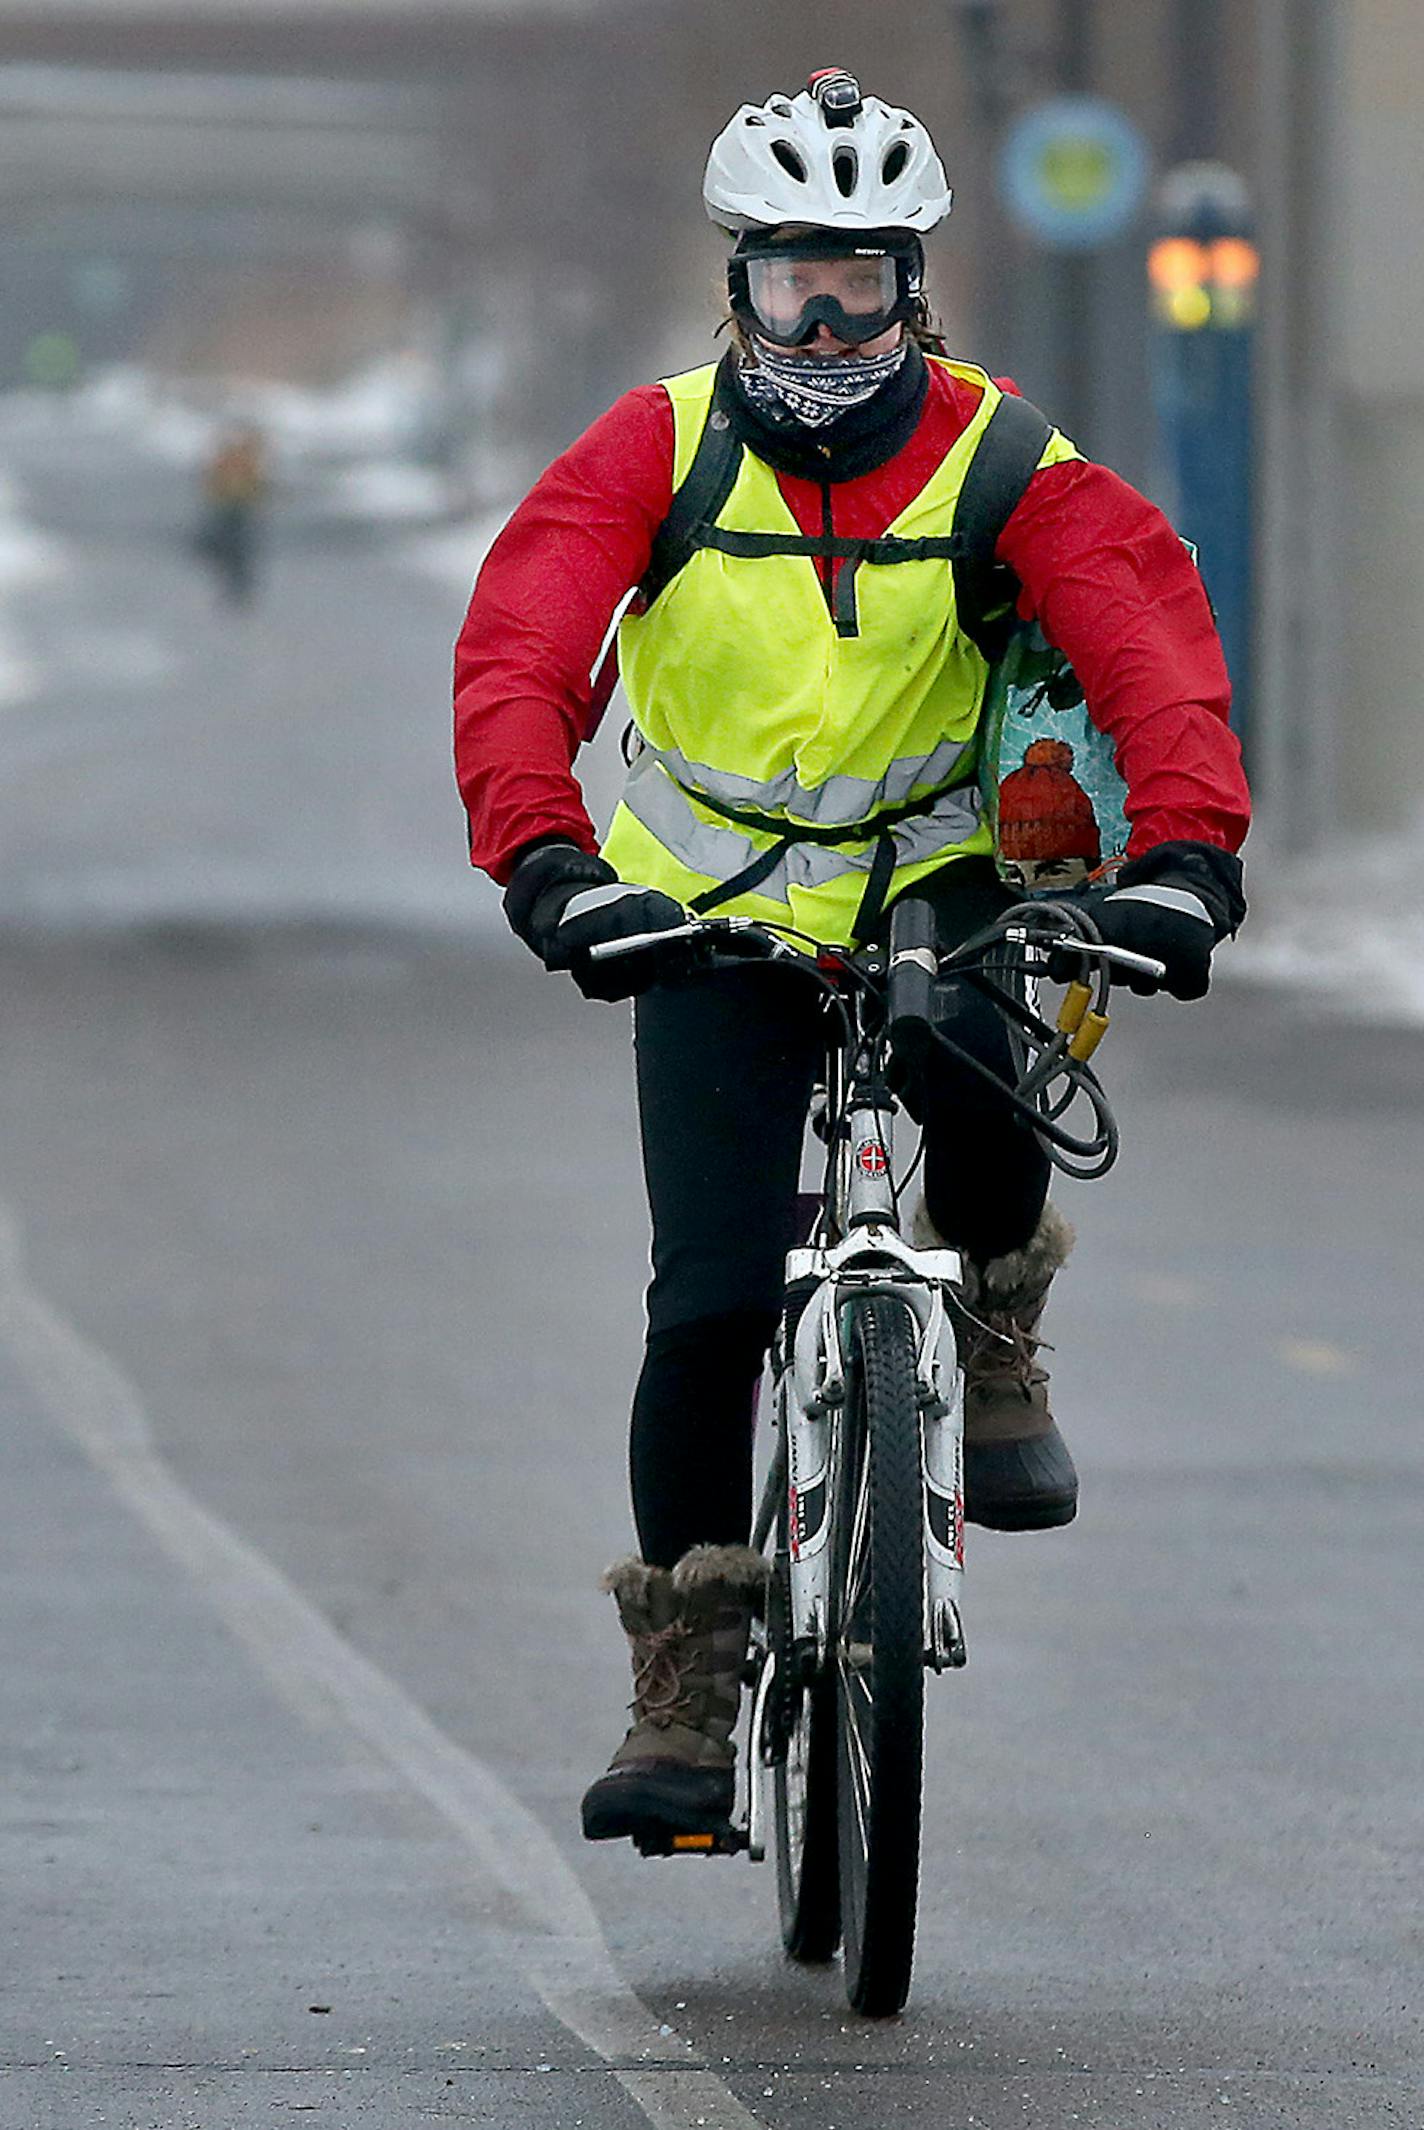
879, 1653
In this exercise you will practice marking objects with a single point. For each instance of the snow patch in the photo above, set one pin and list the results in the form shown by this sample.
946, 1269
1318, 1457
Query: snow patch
364, 445
392, 490
1346, 924
454, 555
383, 410
196, 888
27, 557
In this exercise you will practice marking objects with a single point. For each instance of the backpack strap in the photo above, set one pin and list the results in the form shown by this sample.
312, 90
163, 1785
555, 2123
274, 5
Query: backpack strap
1004, 462
706, 486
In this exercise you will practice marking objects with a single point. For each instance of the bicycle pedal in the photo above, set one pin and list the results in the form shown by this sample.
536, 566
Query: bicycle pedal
668, 1841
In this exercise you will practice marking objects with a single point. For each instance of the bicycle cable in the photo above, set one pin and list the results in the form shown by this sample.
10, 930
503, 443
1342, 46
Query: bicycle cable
1047, 1080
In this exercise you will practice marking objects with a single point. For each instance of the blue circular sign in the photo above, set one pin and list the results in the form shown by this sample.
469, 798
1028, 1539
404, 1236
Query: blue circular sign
1074, 172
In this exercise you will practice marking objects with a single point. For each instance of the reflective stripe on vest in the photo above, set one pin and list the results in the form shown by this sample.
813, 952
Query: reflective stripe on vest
716, 849
837, 803
744, 691
818, 887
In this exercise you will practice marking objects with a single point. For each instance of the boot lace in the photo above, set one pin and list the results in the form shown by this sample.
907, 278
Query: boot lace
1002, 1353
660, 1662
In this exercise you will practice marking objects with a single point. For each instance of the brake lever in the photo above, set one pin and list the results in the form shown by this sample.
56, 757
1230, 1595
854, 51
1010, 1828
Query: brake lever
1115, 957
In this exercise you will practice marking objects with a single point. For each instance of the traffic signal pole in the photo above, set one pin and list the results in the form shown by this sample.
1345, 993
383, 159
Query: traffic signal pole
1203, 272
1195, 61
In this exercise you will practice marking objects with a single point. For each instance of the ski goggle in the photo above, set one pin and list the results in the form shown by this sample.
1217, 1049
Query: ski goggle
786, 292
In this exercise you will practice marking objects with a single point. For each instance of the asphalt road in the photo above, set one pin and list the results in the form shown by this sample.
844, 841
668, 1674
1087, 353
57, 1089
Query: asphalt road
318, 1313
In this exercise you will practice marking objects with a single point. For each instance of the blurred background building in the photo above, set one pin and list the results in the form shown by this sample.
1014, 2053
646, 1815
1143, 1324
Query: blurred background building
424, 243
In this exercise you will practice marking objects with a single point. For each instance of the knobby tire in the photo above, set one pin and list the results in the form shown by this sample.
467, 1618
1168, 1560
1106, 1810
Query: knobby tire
878, 1650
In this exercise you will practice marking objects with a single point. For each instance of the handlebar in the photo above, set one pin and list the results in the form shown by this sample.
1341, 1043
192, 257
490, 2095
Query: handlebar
1050, 1060
760, 941
1121, 958
914, 955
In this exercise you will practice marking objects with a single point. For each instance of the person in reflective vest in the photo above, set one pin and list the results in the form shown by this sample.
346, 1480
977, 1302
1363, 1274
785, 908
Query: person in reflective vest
802, 529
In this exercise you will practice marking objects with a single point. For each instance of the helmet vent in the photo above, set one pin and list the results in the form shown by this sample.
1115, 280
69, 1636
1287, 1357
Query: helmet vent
843, 163
780, 105
753, 118
789, 160
897, 155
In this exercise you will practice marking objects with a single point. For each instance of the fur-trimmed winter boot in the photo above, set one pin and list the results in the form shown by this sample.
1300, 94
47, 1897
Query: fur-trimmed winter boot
1018, 1473
688, 1628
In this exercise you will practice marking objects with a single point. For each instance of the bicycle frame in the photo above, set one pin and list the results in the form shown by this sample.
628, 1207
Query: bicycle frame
870, 1255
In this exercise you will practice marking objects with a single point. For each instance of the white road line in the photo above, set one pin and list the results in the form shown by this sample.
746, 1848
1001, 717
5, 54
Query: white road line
556, 1941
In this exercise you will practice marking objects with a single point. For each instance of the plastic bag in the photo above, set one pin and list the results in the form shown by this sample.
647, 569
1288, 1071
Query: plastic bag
1051, 785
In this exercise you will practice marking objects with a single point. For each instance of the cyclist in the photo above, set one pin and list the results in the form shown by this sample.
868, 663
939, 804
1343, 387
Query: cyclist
805, 721
235, 487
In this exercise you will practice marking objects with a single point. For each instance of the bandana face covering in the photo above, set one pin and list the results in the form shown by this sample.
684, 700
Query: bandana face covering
814, 389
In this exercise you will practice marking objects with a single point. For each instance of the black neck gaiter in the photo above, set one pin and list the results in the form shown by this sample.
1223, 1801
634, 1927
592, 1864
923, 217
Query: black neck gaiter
856, 442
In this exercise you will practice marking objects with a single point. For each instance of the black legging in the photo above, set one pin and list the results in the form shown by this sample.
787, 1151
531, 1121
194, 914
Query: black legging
726, 1062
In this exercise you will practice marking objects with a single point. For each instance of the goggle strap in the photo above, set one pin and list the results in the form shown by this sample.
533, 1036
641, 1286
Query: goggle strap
829, 244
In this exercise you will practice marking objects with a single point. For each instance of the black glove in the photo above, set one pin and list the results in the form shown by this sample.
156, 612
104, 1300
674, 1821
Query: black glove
1175, 903
561, 901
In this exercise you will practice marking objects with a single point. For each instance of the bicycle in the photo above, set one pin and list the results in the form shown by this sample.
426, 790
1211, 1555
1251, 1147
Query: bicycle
862, 1511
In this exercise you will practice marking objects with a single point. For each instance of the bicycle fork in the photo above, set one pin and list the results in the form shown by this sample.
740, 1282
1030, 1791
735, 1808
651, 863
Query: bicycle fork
873, 1259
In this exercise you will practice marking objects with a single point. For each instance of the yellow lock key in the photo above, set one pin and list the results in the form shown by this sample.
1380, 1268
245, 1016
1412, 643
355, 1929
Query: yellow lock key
1091, 1032
1075, 1004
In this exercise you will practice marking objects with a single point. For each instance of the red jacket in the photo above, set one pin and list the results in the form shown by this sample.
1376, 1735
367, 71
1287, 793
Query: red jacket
1102, 571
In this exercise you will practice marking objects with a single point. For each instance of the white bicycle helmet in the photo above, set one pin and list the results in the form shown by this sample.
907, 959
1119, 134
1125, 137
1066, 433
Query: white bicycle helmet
829, 159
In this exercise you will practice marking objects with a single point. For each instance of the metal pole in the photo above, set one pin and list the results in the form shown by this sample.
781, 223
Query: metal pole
981, 27
1277, 629
1300, 571
981, 22
1075, 33
1075, 278
1196, 53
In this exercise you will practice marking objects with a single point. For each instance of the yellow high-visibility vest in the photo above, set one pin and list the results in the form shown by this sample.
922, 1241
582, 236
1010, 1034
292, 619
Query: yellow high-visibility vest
828, 757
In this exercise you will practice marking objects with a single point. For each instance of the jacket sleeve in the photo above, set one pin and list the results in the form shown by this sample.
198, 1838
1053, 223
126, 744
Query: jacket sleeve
1112, 586
541, 609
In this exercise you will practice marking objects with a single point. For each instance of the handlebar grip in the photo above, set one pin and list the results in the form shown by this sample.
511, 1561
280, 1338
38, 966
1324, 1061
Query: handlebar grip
634, 942
914, 971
